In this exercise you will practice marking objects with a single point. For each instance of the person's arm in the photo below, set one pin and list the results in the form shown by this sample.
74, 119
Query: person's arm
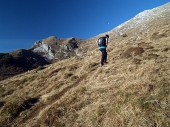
107, 41
97, 42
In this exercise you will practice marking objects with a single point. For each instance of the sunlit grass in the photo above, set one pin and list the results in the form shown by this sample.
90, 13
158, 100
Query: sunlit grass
131, 91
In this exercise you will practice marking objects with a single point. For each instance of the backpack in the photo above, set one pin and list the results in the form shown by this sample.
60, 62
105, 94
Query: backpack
102, 41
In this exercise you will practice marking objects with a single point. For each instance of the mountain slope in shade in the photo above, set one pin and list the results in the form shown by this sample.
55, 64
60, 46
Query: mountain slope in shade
18, 62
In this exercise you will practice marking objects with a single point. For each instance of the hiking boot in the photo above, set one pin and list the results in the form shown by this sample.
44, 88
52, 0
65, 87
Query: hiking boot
101, 65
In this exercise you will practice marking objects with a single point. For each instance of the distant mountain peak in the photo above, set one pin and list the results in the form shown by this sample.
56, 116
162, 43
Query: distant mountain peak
143, 21
54, 48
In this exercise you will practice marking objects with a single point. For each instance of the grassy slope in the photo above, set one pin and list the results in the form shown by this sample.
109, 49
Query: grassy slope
133, 89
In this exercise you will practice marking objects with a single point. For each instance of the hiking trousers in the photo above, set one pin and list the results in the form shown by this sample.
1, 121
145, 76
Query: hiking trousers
104, 55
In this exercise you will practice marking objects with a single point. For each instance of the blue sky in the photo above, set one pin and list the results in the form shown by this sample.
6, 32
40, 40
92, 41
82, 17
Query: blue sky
22, 22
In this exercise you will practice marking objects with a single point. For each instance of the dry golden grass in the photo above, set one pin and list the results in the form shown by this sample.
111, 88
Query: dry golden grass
129, 91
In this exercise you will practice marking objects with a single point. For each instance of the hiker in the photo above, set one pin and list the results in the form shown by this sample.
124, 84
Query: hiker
102, 43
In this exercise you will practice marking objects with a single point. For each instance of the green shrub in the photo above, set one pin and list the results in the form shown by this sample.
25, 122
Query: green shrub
11, 109
40, 68
74, 78
32, 78
2, 90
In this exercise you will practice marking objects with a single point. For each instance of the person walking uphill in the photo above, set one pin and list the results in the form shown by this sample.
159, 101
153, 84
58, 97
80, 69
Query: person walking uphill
102, 43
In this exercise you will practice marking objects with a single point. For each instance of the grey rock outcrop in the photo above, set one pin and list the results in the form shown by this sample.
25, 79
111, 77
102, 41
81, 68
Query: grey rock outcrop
53, 48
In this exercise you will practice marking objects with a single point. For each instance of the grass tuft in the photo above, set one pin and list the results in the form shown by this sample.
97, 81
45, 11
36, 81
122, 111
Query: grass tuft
39, 68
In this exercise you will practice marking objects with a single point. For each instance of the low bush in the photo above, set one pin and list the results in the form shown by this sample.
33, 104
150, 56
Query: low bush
40, 68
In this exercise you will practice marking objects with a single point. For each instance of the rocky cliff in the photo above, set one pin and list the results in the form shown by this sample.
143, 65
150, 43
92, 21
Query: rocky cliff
54, 49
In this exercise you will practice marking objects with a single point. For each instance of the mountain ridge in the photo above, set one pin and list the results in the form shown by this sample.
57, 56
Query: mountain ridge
54, 48
19, 61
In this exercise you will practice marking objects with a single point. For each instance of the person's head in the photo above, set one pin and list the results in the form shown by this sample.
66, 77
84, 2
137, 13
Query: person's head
107, 35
